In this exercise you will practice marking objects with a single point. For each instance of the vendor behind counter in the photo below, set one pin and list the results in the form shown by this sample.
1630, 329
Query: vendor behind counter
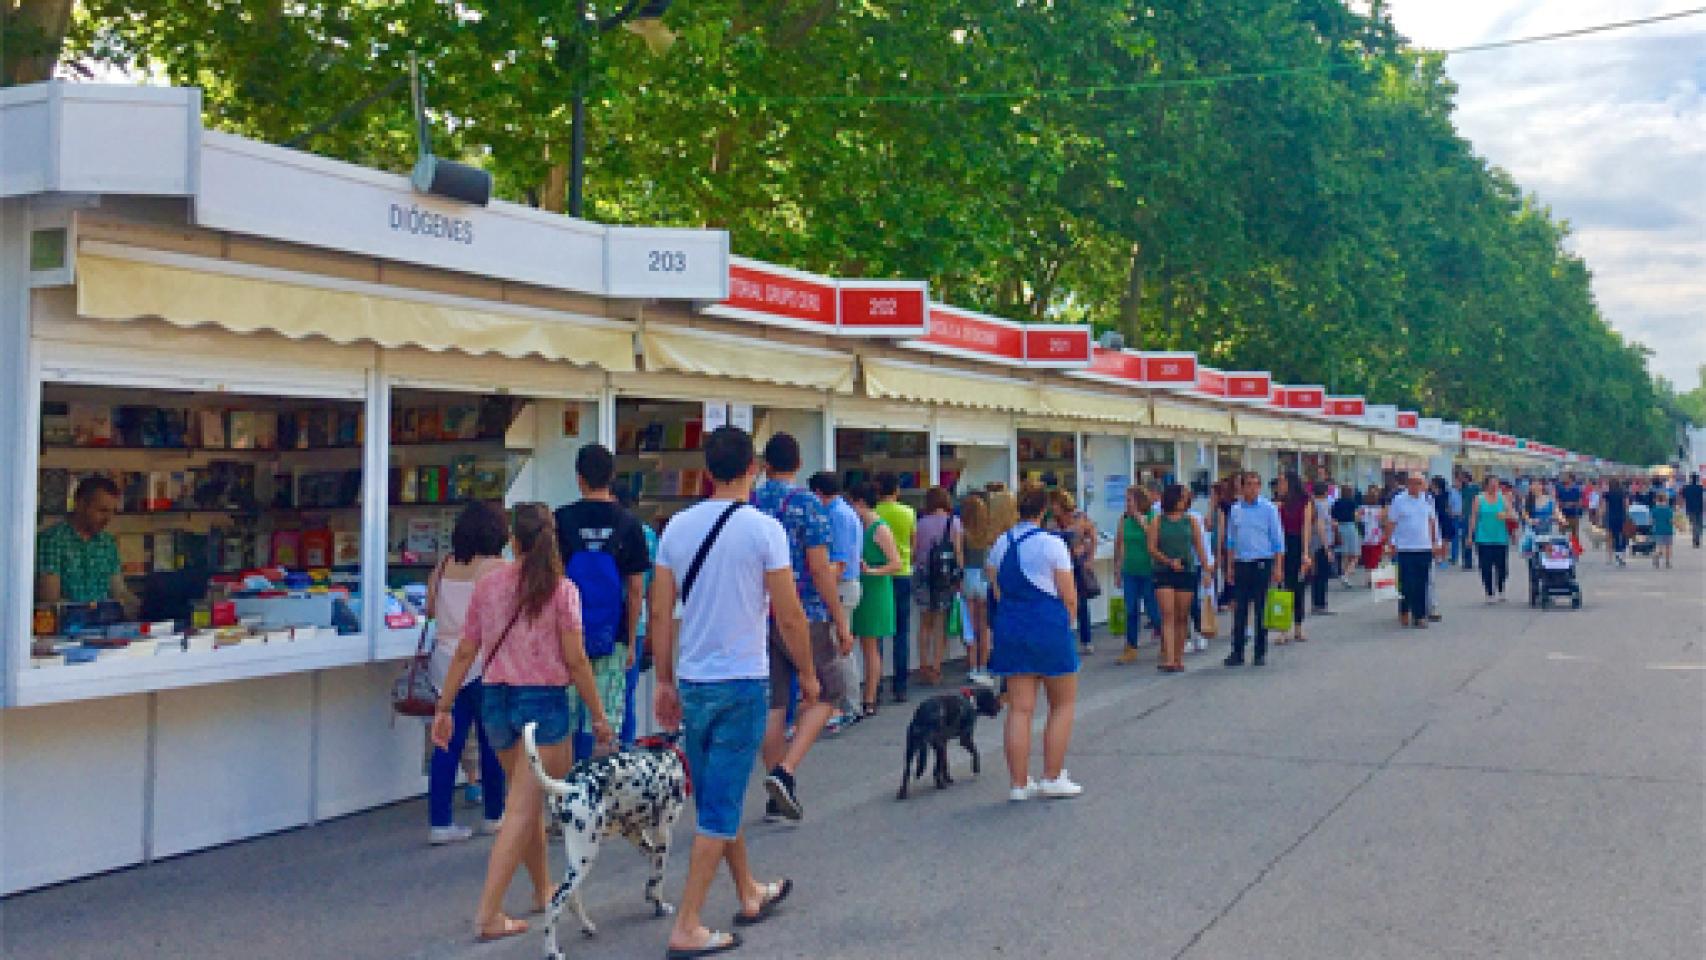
77, 560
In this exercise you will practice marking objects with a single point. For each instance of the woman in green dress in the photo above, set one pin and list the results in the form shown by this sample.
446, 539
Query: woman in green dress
874, 618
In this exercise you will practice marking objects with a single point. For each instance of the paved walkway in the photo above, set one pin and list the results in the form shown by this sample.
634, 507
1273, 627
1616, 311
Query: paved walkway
1511, 783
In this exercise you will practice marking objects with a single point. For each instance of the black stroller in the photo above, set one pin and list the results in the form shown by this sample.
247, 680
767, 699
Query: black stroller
1552, 571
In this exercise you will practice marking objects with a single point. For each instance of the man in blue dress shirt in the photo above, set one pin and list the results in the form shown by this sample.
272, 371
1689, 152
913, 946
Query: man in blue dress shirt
1251, 556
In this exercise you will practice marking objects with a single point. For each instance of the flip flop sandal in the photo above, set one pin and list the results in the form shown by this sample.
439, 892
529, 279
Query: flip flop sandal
774, 895
718, 942
511, 928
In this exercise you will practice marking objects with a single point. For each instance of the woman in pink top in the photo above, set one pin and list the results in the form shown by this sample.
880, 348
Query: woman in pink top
524, 625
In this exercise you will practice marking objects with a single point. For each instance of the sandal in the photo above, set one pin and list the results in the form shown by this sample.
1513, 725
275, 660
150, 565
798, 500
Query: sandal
509, 927
868, 708
717, 942
774, 894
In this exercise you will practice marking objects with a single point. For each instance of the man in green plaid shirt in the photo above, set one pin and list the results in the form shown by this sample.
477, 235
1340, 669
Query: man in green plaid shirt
77, 560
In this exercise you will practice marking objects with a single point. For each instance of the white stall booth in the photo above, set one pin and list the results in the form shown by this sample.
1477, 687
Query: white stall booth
299, 375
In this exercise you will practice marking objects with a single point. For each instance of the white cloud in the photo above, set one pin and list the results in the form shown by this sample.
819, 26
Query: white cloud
1608, 130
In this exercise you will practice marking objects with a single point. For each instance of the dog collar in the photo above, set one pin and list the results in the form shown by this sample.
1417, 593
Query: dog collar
673, 746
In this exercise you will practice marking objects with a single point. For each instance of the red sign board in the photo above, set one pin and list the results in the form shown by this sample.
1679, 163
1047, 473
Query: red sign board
771, 294
1304, 398
1408, 420
1116, 365
1057, 345
964, 333
888, 308
1344, 406
1249, 386
1473, 435
1211, 382
1172, 369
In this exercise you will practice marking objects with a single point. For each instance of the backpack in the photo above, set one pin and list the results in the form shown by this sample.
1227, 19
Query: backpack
602, 592
941, 567
1344, 510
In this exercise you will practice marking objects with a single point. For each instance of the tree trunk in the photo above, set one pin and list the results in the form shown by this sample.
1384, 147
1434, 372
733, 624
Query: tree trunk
32, 33
1131, 303
554, 192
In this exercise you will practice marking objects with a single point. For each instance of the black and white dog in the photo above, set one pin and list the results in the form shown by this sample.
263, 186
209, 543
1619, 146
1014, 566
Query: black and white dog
637, 793
942, 718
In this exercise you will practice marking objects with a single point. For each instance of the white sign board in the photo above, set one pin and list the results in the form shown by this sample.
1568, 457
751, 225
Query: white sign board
1381, 415
716, 415
740, 415
669, 264
1430, 427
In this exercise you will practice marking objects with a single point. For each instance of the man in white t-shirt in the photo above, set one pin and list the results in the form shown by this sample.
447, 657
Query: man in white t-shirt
728, 565
1412, 534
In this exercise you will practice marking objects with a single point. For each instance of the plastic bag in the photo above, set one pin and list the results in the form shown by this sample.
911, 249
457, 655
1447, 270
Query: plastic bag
1116, 616
1384, 580
1277, 612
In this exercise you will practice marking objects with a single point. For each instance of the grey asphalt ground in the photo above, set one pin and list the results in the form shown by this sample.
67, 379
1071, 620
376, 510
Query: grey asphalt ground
1511, 783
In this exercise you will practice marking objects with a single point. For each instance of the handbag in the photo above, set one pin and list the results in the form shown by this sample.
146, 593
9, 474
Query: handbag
1277, 612
414, 694
1089, 587
1210, 623
1116, 615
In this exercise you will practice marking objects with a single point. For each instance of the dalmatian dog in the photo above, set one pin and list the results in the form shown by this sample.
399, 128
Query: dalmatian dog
637, 793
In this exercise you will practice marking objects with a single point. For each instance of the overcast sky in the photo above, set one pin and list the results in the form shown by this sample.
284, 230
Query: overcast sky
1609, 131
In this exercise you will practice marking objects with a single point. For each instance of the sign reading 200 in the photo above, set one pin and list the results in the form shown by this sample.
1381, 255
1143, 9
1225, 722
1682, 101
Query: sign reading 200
666, 261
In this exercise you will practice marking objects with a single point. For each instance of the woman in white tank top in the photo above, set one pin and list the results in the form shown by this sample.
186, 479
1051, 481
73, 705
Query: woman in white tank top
476, 546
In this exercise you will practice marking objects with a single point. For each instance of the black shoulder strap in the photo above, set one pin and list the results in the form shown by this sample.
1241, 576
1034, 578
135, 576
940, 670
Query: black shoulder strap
705, 549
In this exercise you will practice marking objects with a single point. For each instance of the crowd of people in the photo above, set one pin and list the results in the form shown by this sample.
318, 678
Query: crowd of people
766, 609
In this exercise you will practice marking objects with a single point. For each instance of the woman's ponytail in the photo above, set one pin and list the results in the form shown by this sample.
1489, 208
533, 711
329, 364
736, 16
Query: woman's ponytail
541, 563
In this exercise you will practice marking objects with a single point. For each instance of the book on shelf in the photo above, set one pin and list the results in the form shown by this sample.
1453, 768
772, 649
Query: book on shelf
462, 478
91, 425
243, 430
429, 425
53, 490
134, 557
56, 423
460, 421
627, 438
346, 548
210, 429
491, 480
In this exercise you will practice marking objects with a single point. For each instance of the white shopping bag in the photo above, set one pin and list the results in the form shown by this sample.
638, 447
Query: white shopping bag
1384, 580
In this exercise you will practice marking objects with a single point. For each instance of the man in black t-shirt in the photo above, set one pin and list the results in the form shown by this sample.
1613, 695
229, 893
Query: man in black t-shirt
1694, 504
598, 522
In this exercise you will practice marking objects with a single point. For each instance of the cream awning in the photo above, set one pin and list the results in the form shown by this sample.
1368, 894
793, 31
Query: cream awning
895, 380
110, 288
720, 355
1403, 446
1305, 432
1352, 439
1258, 427
1086, 405
1193, 418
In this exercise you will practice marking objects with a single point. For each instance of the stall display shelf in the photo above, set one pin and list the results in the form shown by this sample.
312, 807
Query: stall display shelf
116, 674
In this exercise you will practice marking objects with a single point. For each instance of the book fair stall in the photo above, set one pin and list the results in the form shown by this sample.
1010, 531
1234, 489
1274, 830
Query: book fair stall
252, 389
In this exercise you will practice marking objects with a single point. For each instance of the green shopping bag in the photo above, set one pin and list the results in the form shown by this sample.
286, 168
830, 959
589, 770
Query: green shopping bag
1116, 616
956, 619
1277, 614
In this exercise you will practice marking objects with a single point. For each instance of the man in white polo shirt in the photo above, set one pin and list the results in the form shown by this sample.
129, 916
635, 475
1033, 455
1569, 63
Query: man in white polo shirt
1412, 534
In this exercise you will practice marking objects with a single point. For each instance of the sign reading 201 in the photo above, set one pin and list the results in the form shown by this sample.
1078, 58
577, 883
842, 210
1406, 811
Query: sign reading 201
666, 261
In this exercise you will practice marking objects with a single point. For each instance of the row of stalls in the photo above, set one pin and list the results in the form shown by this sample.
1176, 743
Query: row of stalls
295, 372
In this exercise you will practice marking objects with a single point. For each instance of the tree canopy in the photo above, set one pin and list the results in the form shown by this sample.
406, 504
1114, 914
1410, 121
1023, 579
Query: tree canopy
1275, 184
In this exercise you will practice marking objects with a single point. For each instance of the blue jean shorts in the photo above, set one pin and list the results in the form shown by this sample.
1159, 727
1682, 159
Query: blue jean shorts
723, 727
505, 709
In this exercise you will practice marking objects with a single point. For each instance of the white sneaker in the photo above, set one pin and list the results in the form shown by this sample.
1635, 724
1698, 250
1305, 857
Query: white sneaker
1060, 788
1021, 794
1201, 644
490, 828
455, 833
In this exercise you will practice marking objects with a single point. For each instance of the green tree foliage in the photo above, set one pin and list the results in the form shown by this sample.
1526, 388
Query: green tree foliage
1316, 214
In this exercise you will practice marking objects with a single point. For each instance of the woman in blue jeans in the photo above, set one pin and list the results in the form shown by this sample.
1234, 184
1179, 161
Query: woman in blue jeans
476, 546
1137, 570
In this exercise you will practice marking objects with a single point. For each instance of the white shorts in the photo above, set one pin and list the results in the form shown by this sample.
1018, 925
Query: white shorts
1350, 539
850, 592
975, 585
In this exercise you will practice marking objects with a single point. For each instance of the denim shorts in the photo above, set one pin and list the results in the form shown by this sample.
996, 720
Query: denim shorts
723, 726
975, 586
505, 709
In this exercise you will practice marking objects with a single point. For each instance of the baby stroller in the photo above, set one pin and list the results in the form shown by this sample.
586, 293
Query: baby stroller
1552, 571
1641, 542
